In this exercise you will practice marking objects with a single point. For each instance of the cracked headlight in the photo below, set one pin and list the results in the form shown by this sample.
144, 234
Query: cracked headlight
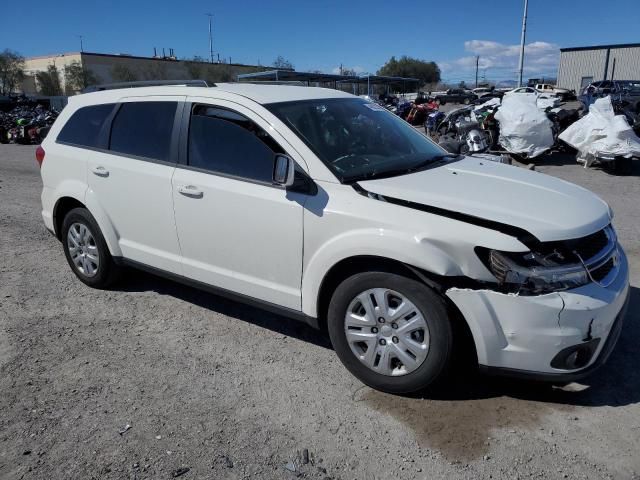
533, 274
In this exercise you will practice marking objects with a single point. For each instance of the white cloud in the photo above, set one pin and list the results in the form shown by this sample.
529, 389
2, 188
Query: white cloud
501, 60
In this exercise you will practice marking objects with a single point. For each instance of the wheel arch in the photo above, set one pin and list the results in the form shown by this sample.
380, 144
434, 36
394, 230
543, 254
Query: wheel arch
349, 266
67, 203
63, 206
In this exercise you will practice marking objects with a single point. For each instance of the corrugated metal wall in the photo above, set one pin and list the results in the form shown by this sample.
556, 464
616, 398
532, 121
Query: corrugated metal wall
576, 64
627, 63
581, 63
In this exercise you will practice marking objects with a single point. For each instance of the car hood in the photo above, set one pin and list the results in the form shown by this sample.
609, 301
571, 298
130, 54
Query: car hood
547, 207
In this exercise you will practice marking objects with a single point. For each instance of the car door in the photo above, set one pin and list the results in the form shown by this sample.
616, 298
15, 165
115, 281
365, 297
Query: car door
237, 230
130, 180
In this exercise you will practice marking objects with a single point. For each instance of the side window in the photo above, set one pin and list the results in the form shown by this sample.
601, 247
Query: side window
144, 129
229, 143
83, 128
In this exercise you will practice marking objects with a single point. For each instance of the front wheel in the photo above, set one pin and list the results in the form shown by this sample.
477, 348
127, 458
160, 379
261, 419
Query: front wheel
391, 332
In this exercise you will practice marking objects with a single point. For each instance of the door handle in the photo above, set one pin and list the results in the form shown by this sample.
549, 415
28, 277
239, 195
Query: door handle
100, 171
190, 191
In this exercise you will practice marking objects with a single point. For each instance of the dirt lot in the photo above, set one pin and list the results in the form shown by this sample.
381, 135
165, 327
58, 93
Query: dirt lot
232, 392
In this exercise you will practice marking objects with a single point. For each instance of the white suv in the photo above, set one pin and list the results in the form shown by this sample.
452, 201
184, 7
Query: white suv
327, 208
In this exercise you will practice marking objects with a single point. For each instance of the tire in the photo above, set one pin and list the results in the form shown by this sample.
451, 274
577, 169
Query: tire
428, 350
95, 267
466, 101
619, 166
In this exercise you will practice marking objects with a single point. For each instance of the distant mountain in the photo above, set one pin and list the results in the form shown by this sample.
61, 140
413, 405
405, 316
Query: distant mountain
506, 83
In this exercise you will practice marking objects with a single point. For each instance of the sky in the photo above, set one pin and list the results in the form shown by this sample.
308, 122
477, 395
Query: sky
322, 35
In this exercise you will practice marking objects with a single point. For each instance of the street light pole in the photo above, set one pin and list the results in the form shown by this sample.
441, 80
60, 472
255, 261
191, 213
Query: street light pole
81, 49
210, 15
522, 41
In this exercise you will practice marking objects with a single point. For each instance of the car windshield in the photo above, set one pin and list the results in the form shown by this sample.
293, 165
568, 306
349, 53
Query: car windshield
632, 87
356, 139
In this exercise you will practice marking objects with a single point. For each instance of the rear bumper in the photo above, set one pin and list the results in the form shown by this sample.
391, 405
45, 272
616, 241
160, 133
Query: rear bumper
525, 336
47, 209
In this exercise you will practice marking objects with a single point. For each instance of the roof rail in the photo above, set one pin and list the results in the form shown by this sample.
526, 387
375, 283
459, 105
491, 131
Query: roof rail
146, 83
298, 83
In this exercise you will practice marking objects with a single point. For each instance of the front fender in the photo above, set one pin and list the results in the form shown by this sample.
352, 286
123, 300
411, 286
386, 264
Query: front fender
417, 251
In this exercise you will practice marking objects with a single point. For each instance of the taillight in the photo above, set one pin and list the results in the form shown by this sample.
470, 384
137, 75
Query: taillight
40, 155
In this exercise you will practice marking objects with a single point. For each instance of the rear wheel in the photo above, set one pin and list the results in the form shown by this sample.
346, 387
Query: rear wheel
391, 332
86, 250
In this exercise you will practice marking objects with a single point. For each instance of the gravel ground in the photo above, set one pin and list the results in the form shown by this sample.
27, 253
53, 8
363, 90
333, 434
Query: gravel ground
153, 378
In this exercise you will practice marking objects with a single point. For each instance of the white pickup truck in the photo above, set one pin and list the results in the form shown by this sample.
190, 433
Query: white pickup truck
563, 93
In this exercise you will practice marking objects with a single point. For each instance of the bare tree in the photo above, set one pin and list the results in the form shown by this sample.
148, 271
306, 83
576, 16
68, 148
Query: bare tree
122, 73
155, 71
218, 72
76, 78
282, 63
49, 82
11, 71
195, 68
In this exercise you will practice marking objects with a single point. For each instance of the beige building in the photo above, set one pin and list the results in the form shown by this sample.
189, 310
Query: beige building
107, 68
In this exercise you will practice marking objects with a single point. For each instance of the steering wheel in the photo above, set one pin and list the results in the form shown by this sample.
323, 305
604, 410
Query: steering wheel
357, 146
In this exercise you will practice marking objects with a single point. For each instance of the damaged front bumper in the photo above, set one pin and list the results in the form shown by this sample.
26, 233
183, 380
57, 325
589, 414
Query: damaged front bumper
543, 336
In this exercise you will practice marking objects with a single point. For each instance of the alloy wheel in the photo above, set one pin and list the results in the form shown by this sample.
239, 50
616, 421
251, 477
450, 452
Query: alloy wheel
83, 249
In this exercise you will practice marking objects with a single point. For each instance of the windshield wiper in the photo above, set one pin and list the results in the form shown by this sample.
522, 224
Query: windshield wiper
402, 171
446, 156
432, 160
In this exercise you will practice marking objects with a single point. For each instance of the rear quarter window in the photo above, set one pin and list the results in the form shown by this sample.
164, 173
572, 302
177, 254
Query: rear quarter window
83, 127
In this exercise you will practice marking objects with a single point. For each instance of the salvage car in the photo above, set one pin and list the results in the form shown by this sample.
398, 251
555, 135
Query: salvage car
627, 91
329, 209
563, 93
545, 100
455, 95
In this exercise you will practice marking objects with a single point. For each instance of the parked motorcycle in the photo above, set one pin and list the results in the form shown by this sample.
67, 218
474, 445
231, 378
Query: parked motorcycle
419, 112
458, 132
26, 124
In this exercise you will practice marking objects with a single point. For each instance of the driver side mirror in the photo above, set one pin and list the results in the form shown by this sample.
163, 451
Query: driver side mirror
283, 170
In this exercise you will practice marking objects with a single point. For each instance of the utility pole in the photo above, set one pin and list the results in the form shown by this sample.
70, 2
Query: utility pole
80, 37
477, 61
210, 15
522, 41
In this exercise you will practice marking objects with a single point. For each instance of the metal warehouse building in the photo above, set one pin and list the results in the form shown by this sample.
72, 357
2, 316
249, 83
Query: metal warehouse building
580, 66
